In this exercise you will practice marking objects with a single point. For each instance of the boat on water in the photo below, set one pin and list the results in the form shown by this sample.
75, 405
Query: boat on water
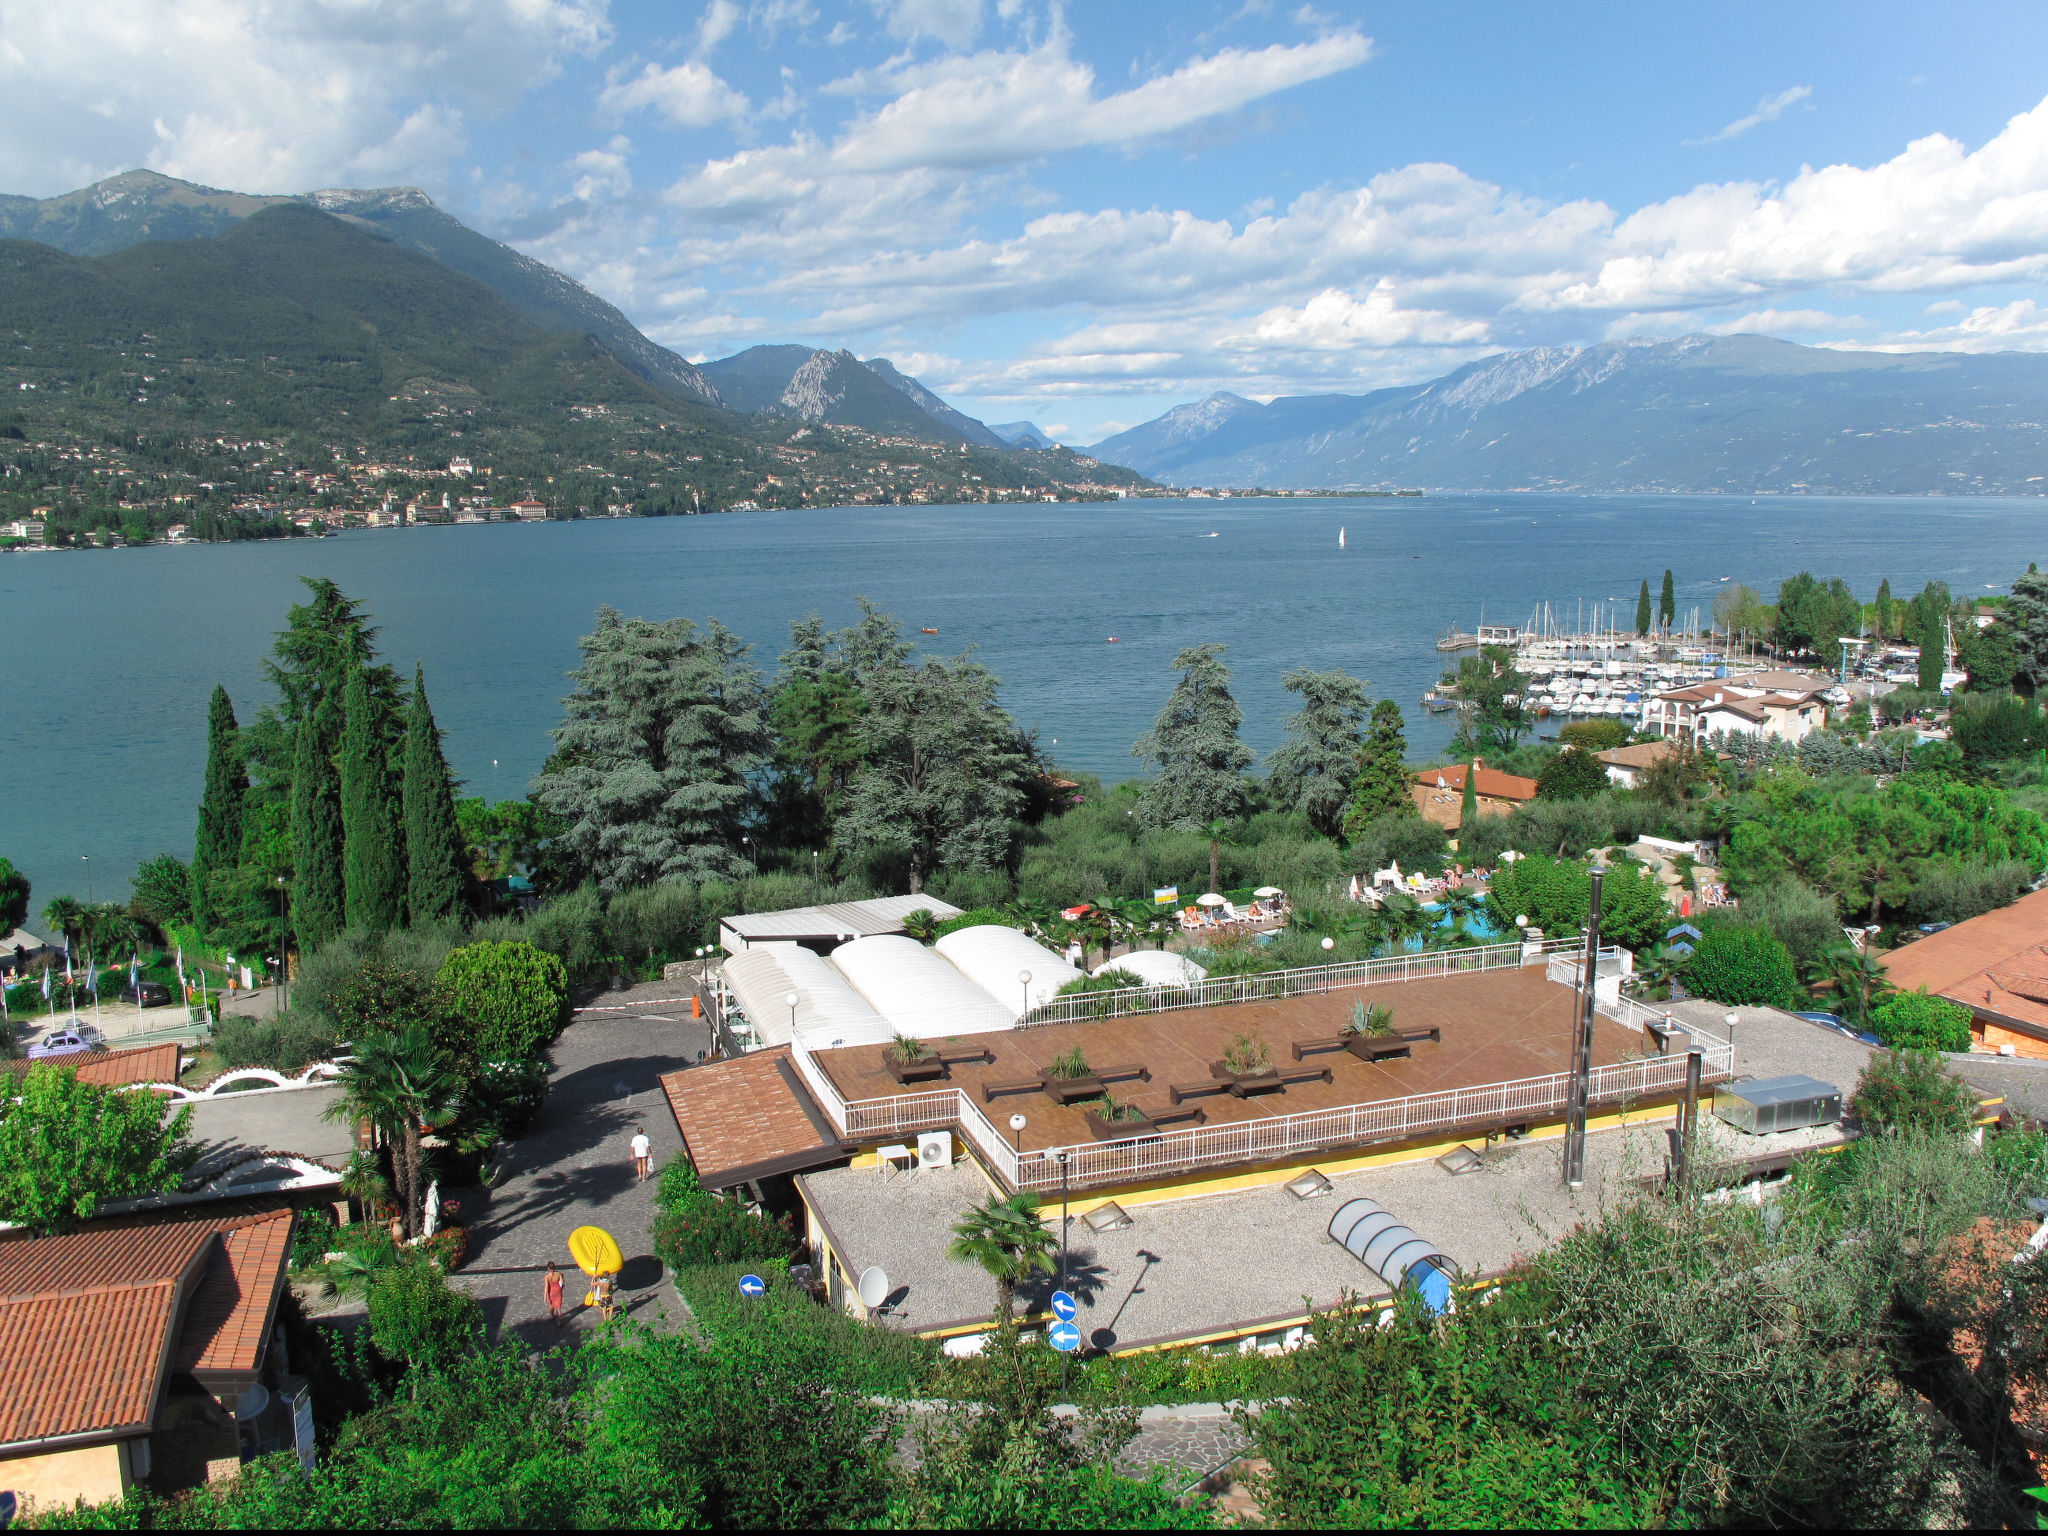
1340, 538
927, 631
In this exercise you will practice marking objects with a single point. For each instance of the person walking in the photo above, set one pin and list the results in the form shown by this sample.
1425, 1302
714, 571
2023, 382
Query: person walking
552, 1286
643, 1153
607, 1308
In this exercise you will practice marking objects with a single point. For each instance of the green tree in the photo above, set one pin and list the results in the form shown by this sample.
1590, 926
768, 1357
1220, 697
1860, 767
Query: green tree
1881, 610
1490, 693
373, 873
1740, 965
161, 891
1933, 641
217, 847
1468, 804
1855, 978
1574, 774
1920, 1021
1991, 657
67, 1147
1667, 603
399, 1080
1195, 748
942, 768
1312, 772
1643, 615
14, 890
1005, 1237
1998, 728
653, 773
506, 999
1556, 895
2026, 616
435, 848
1908, 1090
1381, 787
419, 1320
318, 901
1814, 616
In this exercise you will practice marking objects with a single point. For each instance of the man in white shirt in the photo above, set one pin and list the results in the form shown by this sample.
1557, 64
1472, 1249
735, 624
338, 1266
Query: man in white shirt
643, 1150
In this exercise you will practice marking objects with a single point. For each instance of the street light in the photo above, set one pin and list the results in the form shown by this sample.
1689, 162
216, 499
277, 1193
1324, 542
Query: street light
1728, 1018
790, 1000
1024, 980
1017, 1124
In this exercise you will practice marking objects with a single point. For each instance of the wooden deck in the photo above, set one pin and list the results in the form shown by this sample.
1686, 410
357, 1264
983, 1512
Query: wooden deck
1497, 1026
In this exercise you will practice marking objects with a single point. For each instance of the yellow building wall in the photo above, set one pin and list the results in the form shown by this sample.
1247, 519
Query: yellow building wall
97, 1474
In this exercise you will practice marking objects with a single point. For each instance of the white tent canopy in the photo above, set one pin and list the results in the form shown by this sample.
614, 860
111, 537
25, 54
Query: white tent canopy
992, 956
1156, 968
828, 1011
917, 990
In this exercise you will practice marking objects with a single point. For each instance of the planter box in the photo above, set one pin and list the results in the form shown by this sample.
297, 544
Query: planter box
930, 1070
1378, 1047
1244, 1084
1072, 1090
1122, 1129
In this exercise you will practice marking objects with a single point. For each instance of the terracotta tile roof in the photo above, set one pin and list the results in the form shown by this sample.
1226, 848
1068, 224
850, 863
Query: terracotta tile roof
747, 1117
112, 1069
1644, 754
1994, 963
90, 1321
1491, 782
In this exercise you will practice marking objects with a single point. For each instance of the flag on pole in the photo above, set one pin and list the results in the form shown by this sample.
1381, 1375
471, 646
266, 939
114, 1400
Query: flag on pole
184, 986
46, 983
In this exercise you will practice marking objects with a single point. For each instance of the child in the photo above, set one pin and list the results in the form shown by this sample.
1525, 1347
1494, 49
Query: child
552, 1285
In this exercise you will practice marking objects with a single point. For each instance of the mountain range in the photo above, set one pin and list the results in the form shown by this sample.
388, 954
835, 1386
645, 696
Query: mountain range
835, 388
1733, 414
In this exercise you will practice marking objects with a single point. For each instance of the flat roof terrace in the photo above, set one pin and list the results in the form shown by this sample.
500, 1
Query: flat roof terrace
1499, 1026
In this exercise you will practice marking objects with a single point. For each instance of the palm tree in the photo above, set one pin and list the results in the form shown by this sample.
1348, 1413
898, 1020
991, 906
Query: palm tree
1006, 1238
1404, 917
1855, 978
922, 925
399, 1081
66, 914
1144, 921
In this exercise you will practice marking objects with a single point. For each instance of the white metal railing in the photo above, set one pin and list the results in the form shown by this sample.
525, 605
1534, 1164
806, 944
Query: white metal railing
1565, 969
1270, 1140
1082, 1007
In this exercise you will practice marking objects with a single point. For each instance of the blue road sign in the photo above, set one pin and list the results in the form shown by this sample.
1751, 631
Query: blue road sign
753, 1285
1063, 1306
1064, 1337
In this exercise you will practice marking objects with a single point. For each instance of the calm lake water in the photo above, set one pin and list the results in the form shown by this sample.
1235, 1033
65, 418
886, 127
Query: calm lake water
110, 656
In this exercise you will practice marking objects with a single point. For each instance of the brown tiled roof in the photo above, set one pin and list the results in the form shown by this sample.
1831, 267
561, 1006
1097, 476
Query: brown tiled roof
1995, 963
748, 1117
87, 1319
1490, 782
111, 1069
1644, 754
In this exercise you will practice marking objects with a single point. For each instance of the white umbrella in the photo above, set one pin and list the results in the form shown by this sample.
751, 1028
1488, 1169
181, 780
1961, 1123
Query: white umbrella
1269, 890
1211, 900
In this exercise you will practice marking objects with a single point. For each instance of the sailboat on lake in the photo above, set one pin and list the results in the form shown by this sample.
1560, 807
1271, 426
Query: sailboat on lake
1340, 538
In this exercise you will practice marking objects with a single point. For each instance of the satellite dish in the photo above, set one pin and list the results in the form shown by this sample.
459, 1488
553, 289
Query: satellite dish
873, 1287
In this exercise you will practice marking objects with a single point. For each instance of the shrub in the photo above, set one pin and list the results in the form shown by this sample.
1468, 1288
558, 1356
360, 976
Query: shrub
693, 1226
330, 970
289, 1042
1910, 1090
1556, 895
655, 922
1953, 893
571, 928
1741, 965
1562, 828
1997, 727
1921, 1022
1069, 1065
1804, 920
417, 1318
973, 888
1574, 774
1403, 837
1248, 1054
509, 1000
1593, 735
312, 1239
978, 917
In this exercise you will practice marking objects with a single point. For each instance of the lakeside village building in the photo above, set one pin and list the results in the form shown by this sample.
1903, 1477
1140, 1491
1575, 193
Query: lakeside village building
1221, 1205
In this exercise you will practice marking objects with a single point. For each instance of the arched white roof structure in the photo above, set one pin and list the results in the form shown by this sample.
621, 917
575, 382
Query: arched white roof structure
991, 956
828, 1011
1156, 968
916, 990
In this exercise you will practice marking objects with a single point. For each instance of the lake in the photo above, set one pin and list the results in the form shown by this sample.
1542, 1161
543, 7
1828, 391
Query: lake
111, 655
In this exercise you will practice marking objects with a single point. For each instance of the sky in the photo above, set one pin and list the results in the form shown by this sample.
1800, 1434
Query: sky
1082, 215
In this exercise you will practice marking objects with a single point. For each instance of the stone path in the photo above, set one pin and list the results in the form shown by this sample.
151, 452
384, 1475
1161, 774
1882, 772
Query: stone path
1198, 1443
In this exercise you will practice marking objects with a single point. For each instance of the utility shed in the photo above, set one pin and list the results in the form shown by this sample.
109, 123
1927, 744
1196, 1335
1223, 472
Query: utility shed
994, 958
821, 928
918, 991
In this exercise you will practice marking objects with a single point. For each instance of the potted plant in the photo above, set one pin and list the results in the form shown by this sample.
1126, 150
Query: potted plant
909, 1060
1247, 1062
1113, 1119
1070, 1079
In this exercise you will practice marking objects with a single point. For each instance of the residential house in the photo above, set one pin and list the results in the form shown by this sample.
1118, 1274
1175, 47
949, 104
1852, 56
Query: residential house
529, 511
1786, 706
1439, 793
1995, 965
1626, 766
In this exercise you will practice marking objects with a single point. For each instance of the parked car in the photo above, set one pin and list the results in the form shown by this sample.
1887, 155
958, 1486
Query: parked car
1840, 1026
148, 994
68, 1040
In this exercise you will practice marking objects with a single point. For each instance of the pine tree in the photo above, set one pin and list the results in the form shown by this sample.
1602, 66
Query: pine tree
317, 886
1195, 746
1381, 787
1312, 772
373, 879
217, 847
434, 846
1667, 605
1883, 608
1643, 608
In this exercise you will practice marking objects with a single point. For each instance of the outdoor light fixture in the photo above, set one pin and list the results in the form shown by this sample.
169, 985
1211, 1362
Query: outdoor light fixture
1017, 1124
1521, 919
1328, 945
1024, 980
791, 1001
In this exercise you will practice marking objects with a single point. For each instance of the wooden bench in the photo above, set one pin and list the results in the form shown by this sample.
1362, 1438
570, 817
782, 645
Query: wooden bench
1245, 1085
1066, 1090
1369, 1047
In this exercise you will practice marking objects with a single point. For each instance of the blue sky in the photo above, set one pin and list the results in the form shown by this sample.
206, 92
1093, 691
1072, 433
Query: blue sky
1085, 214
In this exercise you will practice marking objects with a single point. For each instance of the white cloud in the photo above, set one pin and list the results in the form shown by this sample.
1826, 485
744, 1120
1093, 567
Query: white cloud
689, 95
603, 171
2021, 326
953, 22
266, 97
1769, 110
720, 19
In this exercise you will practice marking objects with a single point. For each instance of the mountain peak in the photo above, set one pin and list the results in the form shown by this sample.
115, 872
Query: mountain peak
364, 200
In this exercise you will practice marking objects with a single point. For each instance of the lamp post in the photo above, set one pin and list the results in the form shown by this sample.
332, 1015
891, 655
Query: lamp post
1729, 1019
1017, 1124
1024, 981
790, 1000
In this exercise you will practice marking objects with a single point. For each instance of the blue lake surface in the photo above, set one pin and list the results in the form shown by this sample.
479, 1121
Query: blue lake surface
111, 655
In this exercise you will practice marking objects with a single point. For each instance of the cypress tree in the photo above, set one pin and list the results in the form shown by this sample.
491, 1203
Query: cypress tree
317, 900
1932, 640
372, 880
1667, 604
1643, 608
434, 845
1883, 608
217, 847
1468, 808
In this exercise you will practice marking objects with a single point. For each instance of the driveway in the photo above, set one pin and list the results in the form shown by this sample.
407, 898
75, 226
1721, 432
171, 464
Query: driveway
572, 1168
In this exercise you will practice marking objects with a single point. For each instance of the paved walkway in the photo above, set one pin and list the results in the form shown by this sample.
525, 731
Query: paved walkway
572, 1167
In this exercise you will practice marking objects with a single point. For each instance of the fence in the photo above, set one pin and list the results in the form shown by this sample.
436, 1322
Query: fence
1082, 1007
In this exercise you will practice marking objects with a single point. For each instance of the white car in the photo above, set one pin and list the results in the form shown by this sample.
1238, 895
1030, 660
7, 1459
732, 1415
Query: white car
68, 1041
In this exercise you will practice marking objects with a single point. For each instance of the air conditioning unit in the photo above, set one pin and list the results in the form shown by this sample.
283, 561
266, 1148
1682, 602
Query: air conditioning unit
935, 1149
